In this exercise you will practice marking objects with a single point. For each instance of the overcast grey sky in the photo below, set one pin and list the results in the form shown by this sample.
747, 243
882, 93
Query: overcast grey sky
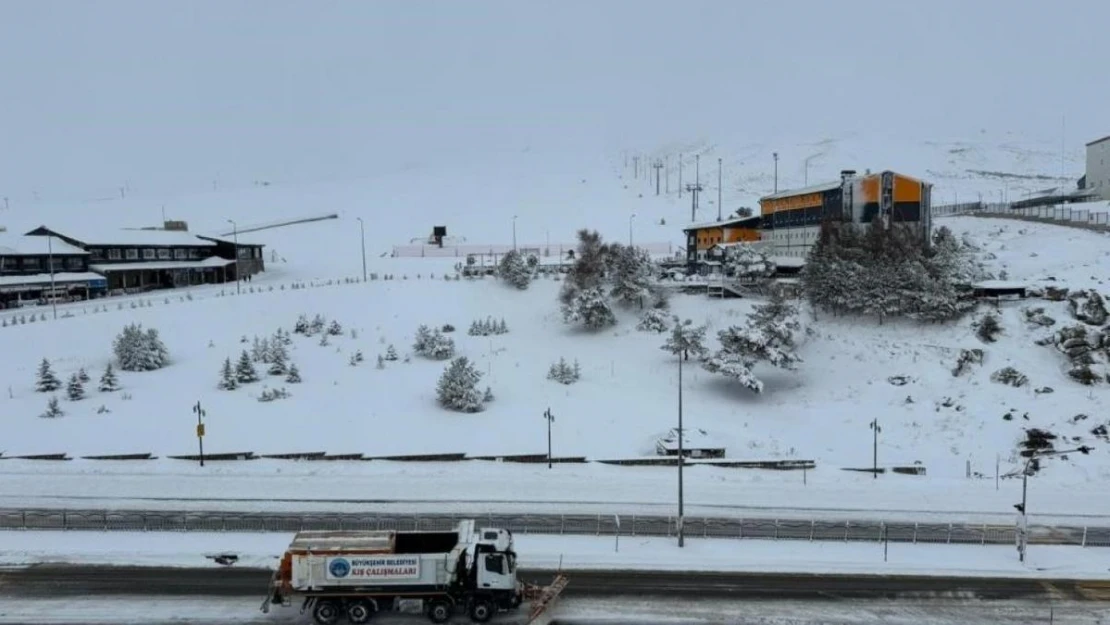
168, 93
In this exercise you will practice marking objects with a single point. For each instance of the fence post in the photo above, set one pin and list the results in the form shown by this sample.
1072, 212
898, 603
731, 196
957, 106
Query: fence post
65, 521
1084, 544
23, 518
984, 534
105, 517
741, 529
562, 524
882, 530
812, 528
915, 533
598, 525
949, 533
633, 524
776, 529
704, 527
846, 525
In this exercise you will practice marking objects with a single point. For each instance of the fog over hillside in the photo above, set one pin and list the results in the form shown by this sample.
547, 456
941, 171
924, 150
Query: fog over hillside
178, 97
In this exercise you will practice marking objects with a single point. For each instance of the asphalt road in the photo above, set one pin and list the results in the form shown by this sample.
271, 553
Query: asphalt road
58, 581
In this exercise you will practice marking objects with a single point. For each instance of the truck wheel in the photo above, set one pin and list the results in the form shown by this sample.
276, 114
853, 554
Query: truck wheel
326, 612
481, 611
359, 612
439, 611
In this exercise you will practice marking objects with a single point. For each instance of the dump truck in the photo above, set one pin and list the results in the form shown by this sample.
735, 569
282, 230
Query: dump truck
356, 574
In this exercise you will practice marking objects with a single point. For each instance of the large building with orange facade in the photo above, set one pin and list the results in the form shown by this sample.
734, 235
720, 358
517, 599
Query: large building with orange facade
790, 221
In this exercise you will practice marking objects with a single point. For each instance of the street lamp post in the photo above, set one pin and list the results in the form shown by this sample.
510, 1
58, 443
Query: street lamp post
550, 418
630, 218
875, 448
681, 515
776, 157
514, 232
362, 239
1027, 469
50, 260
238, 267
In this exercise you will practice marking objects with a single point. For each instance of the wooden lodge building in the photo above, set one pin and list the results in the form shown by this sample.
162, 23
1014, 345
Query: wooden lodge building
89, 263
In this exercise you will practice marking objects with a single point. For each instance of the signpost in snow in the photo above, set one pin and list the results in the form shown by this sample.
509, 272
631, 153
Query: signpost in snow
200, 430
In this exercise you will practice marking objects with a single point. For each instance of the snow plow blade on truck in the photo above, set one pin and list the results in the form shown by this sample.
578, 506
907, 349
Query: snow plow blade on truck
352, 575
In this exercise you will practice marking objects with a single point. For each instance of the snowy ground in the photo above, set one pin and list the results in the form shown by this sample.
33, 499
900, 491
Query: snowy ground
626, 399
607, 611
544, 553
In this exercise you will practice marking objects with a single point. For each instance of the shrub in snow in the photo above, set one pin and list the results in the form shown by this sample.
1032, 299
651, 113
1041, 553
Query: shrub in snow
440, 347
354, 333
653, 320
75, 391
423, 337
768, 337
260, 349
228, 380
335, 329
1088, 307
967, 358
294, 376
1037, 317
686, 339
458, 387
302, 325
390, 353
564, 373
278, 364
590, 307
1083, 374
323, 340
137, 350
988, 328
46, 381
317, 325
746, 263
108, 382
268, 395
447, 328
102, 409
1011, 376
514, 270
487, 397
1056, 293
381, 362
83, 376
53, 409
244, 370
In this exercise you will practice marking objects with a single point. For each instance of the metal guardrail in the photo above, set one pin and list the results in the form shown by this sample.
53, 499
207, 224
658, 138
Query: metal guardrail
862, 530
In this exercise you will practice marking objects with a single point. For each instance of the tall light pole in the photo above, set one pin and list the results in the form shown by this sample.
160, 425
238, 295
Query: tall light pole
776, 156
1027, 469
718, 189
630, 218
875, 429
238, 273
362, 238
514, 232
50, 260
550, 418
681, 515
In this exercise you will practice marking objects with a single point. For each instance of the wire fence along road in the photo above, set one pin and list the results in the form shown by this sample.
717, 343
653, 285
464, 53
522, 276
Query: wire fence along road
556, 524
1062, 215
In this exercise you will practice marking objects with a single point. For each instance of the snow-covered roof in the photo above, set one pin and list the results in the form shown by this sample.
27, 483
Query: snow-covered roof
11, 245
156, 265
122, 236
817, 188
720, 224
788, 261
231, 240
44, 278
999, 284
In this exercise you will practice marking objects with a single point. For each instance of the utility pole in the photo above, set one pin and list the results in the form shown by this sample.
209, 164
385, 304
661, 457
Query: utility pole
630, 218
200, 430
681, 515
719, 178
694, 190
697, 176
667, 173
238, 273
636, 166
680, 175
362, 238
657, 167
550, 418
776, 155
875, 448
50, 260
514, 232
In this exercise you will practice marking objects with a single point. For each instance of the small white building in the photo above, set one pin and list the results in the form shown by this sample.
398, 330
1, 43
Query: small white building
1098, 167
696, 443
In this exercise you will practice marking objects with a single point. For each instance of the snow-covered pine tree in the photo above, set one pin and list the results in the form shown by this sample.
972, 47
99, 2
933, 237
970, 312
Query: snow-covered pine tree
323, 340
46, 381
989, 328
502, 327
257, 349
746, 263
422, 340
294, 376
440, 346
83, 376
390, 353
358, 356
590, 307
137, 350
53, 409
457, 388
318, 324
278, 364
769, 336
563, 372
108, 382
514, 270
475, 329
228, 380
302, 325
653, 320
335, 329
487, 397
75, 391
633, 274
245, 372
686, 339
587, 274
156, 355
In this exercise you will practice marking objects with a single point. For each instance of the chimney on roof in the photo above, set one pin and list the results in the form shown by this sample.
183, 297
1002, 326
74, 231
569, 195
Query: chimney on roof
846, 174
176, 226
